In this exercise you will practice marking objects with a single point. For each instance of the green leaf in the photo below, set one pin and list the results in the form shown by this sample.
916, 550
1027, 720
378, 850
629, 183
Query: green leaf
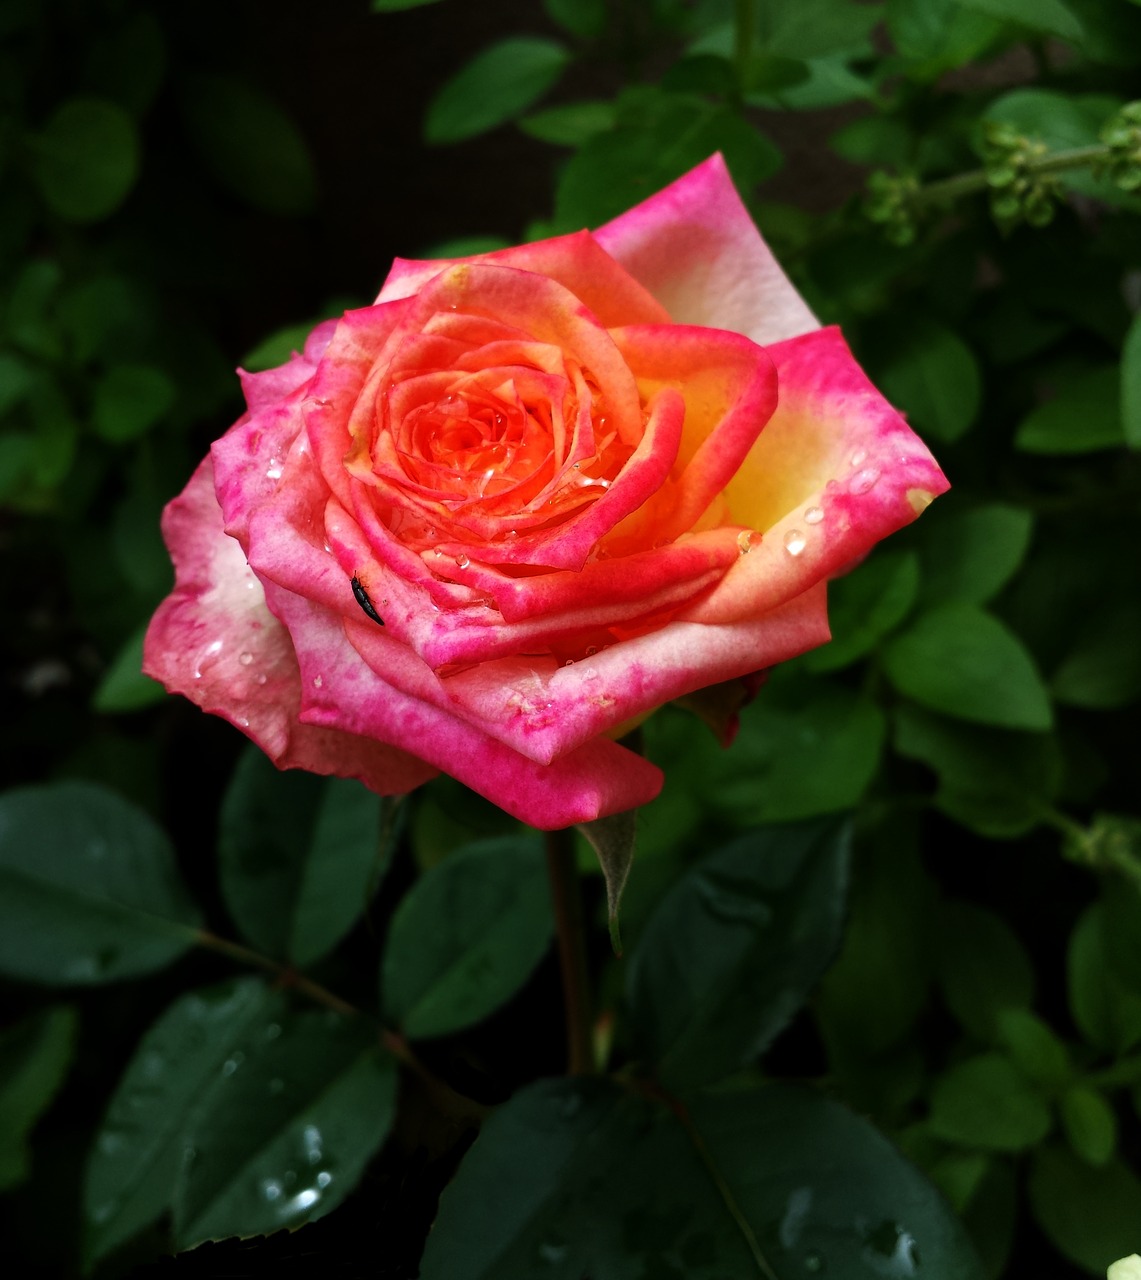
249, 144
1131, 384
287, 1130
936, 35
1051, 16
1107, 1012
998, 782
805, 748
1121, 900
1102, 670
128, 63
959, 660
1034, 1048
983, 968
497, 84
297, 854
86, 159
1084, 416
571, 124
934, 378
734, 948
971, 555
129, 400
816, 28
1089, 1124
277, 348
659, 137
123, 686
584, 18
34, 1057
986, 1102
141, 1145
878, 141
590, 1179
866, 605
1090, 1215
89, 891
467, 936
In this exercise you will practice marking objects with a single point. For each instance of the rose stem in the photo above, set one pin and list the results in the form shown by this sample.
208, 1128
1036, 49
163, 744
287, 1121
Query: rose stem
566, 896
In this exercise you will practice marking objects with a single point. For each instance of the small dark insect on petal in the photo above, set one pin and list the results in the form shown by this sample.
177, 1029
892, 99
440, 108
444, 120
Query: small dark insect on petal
365, 601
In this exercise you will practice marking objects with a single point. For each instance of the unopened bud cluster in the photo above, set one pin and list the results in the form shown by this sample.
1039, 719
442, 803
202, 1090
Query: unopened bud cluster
890, 201
1122, 137
1018, 193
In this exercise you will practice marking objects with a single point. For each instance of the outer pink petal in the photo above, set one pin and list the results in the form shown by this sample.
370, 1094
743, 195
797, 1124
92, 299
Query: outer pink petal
835, 470
340, 690
576, 261
698, 252
272, 385
214, 640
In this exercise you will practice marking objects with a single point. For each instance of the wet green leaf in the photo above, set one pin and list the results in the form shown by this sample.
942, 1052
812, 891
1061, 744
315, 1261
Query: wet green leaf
86, 159
467, 936
89, 891
497, 84
734, 948
592, 1180
141, 1145
286, 1131
297, 856
34, 1057
965, 663
1089, 1214
986, 1102
866, 605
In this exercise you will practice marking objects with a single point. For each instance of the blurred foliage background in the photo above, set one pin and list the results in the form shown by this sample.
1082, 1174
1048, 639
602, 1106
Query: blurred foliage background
180, 180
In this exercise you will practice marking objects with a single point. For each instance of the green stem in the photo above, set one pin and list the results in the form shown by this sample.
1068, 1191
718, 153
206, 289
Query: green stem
743, 15
964, 184
283, 973
566, 897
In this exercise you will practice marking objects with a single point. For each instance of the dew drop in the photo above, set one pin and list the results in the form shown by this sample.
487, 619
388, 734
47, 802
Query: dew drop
324, 1178
272, 1031
857, 458
462, 561
317, 682
569, 662
795, 542
262, 678
814, 1263
245, 659
591, 650
744, 541
273, 471
814, 515
232, 1064
271, 1189
863, 480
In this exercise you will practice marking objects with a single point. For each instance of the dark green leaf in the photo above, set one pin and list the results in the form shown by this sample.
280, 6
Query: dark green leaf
297, 854
287, 1130
993, 1215
701, 73
584, 18
89, 891
1106, 1011
983, 967
734, 948
817, 28
866, 605
1090, 1215
1039, 15
1131, 384
935, 35
934, 378
128, 64
1034, 1048
571, 124
467, 936
34, 1057
1103, 668
141, 1145
1089, 1124
124, 687
250, 144
880, 141
772, 73
998, 782
86, 159
1121, 900
592, 1180
971, 555
1083, 417
986, 1102
959, 660
277, 348
497, 84
805, 748
129, 400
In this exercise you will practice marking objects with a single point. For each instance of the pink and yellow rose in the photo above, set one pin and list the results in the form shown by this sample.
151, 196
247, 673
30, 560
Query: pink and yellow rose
526, 498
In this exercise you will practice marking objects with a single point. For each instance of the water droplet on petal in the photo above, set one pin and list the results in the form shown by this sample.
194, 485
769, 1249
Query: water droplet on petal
262, 678
857, 458
569, 662
317, 682
245, 659
462, 561
744, 541
795, 542
814, 515
591, 650
863, 480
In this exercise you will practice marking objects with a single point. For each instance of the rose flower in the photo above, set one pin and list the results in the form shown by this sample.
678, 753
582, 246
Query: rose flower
487, 523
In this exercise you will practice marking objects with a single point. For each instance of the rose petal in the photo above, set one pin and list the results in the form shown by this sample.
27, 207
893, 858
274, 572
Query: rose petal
696, 249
